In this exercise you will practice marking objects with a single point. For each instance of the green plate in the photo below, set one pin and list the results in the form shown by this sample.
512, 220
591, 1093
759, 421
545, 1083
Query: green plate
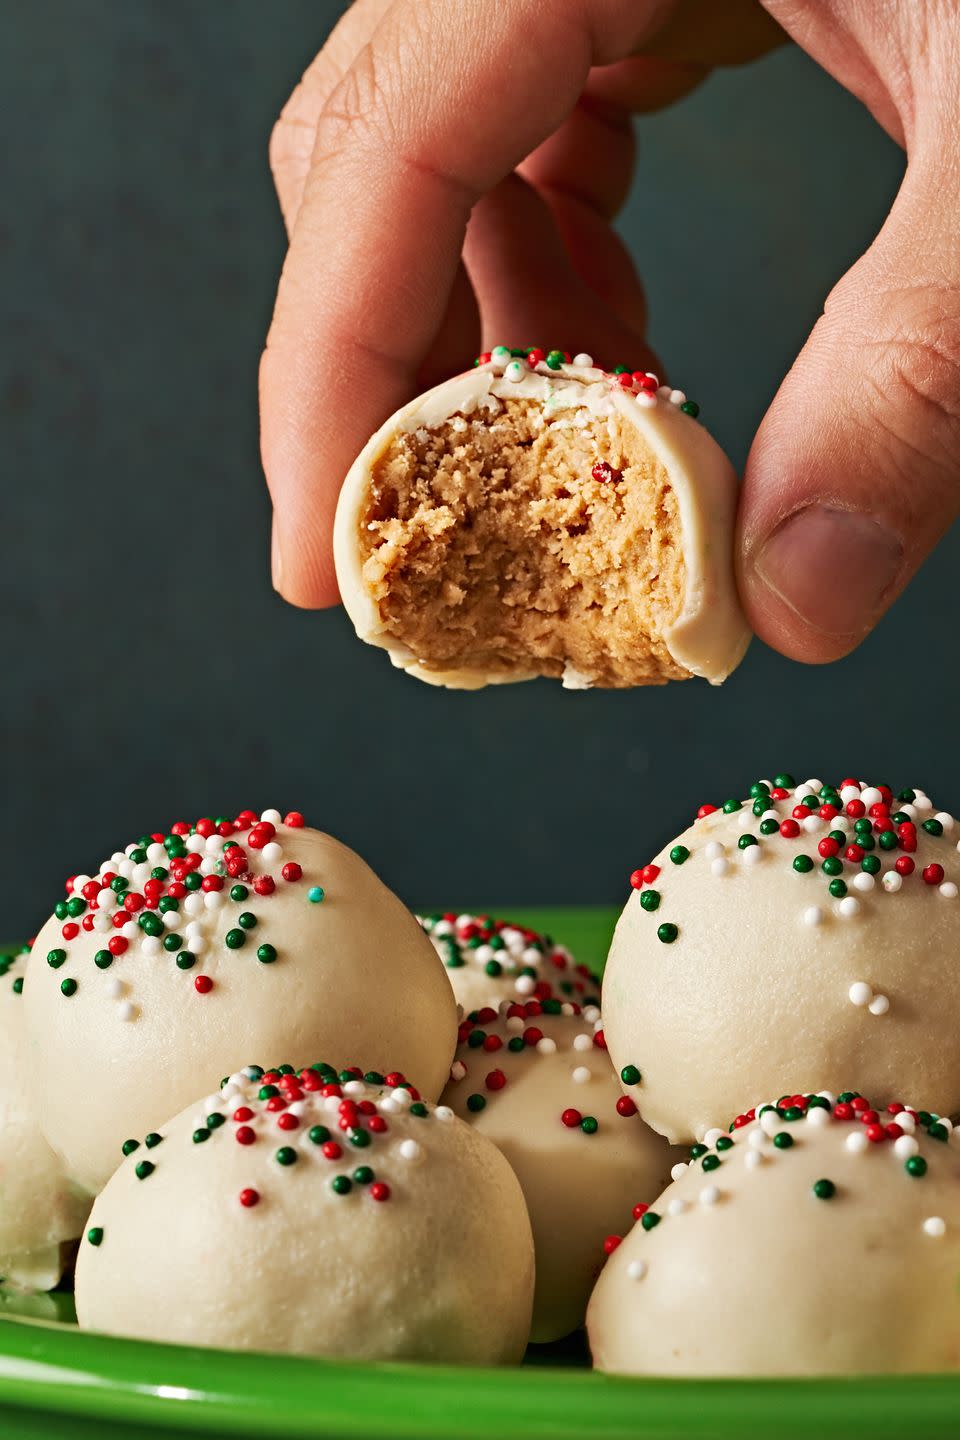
55, 1381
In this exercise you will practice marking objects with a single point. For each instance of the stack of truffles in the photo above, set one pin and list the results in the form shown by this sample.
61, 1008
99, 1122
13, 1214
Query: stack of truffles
240, 1071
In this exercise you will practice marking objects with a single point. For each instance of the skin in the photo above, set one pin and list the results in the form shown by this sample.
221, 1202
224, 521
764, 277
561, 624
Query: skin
441, 194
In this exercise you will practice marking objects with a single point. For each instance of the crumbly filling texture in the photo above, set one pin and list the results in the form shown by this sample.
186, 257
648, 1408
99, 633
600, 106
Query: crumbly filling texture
489, 543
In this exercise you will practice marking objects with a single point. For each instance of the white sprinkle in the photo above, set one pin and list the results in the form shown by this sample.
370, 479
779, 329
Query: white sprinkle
272, 817
753, 1159
863, 882
354, 1087
531, 956
947, 821
151, 945
860, 993
195, 844
410, 1150
172, 919
856, 1142
813, 915
719, 866
871, 796
196, 903
802, 791
709, 1195
892, 882
829, 1096
677, 397
923, 803
156, 853
879, 1005
483, 953
714, 849
126, 869
637, 1269
214, 844
584, 360
581, 1074
271, 852
712, 1136
567, 1008
386, 1106
770, 1122
935, 1226
515, 371
850, 792
757, 1139
909, 811
580, 1042
525, 985
752, 855
677, 1206
444, 1113
115, 987
770, 815
645, 401
79, 881
818, 1117
905, 1146
197, 944
212, 899
500, 355
546, 1046
848, 907
403, 1097
457, 1070
948, 890
811, 824
591, 1014
130, 931
745, 819
679, 1169
514, 1025
906, 1122
126, 1011
102, 922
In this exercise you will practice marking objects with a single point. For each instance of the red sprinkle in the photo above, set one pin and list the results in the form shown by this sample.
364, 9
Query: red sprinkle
203, 984
249, 1198
571, 1118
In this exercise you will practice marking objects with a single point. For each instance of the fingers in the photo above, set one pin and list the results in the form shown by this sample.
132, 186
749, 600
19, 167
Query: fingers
855, 472
400, 158
292, 140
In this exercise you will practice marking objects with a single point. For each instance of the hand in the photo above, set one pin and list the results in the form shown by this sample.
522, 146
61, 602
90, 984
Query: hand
448, 174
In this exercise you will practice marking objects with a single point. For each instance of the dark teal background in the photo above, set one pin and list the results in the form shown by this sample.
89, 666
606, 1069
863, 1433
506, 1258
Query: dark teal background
150, 671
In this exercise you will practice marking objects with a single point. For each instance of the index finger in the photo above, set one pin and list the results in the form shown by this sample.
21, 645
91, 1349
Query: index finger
436, 109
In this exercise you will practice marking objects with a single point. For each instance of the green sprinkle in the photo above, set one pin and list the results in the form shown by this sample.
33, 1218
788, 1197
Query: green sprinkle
68, 987
319, 1134
824, 1189
916, 1166
235, 939
200, 1135
589, 1125
783, 1140
802, 864
55, 958
555, 359
724, 1143
833, 865
731, 806
239, 892
746, 841
711, 1162
341, 1185
152, 1140
286, 1155
937, 1131
888, 840
266, 954
870, 864
186, 960
691, 408
838, 888
933, 827
650, 1220
129, 1146
667, 932
95, 1236
363, 1175
493, 968
144, 1169
697, 1150
359, 1138
630, 1075
215, 1120
650, 899
784, 782
769, 827
476, 1103
172, 943
247, 920
419, 1109
679, 853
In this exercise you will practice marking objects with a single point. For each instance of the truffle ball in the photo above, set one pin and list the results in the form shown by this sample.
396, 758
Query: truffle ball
821, 1237
489, 961
185, 952
804, 932
315, 1212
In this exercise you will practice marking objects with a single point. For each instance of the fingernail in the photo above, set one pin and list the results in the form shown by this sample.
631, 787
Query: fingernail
276, 558
834, 568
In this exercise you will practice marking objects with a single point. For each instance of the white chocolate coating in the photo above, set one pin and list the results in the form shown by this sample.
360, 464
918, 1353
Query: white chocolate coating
39, 1210
354, 976
579, 1187
526, 966
772, 981
709, 636
749, 1272
441, 1269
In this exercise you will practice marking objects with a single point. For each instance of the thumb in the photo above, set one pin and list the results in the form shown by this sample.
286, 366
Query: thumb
855, 472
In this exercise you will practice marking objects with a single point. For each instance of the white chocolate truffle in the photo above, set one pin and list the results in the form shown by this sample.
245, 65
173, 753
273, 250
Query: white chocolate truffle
541, 1087
543, 519
40, 1211
772, 946
275, 937
801, 1244
489, 961
346, 1219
